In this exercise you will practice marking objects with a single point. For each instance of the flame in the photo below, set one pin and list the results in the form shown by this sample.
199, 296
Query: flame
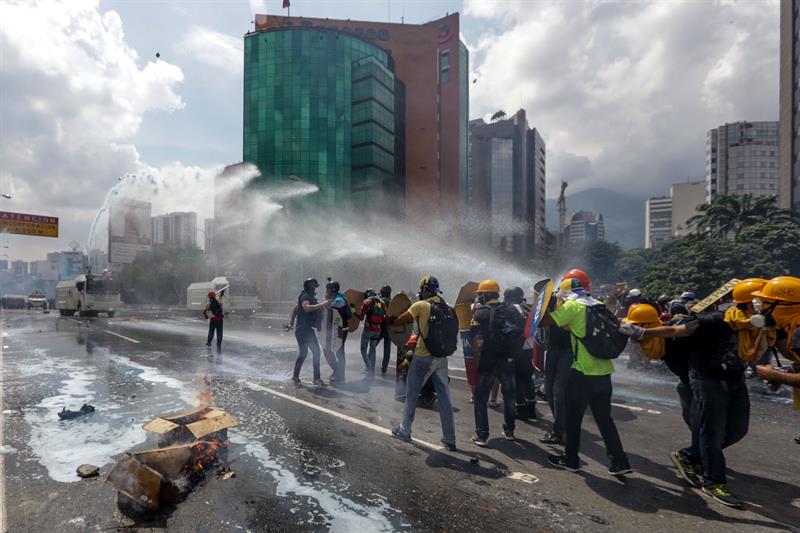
206, 453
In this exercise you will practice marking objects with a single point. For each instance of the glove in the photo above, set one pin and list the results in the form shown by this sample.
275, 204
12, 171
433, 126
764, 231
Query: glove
632, 330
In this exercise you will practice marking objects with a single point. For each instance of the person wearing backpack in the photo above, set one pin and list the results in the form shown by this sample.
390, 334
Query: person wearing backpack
373, 312
214, 307
590, 326
334, 329
525, 402
498, 329
437, 338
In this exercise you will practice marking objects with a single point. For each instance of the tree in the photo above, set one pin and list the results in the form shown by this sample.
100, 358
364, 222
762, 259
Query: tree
728, 215
499, 115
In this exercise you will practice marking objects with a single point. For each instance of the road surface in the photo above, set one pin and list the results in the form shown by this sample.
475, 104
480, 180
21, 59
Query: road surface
323, 460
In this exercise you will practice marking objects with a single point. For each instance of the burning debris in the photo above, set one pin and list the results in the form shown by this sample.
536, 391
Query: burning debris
66, 414
190, 443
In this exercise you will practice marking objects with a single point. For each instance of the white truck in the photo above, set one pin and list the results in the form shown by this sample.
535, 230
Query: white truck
36, 300
88, 295
241, 295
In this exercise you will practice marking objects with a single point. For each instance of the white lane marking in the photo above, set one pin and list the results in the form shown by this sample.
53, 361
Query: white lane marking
337, 414
121, 336
457, 377
2, 443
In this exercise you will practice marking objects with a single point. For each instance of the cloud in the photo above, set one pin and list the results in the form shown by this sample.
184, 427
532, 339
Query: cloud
74, 93
216, 49
627, 89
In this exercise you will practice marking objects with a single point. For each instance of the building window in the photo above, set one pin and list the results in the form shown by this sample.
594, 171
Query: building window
445, 59
444, 77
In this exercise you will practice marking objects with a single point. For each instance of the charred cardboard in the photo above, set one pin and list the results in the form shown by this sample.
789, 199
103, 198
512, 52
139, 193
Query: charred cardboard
199, 422
137, 481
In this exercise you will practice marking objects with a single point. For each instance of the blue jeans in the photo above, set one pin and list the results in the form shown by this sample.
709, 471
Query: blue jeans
723, 418
369, 342
435, 368
503, 370
306, 339
340, 359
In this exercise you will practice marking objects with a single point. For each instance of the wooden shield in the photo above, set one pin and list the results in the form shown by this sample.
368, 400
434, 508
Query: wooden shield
354, 300
399, 305
467, 292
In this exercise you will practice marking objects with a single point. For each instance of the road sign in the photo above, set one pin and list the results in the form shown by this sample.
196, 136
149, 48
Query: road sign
25, 224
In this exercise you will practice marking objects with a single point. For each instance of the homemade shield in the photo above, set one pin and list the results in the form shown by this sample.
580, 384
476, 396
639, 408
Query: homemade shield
714, 297
542, 294
462, 306
354, 300
399, 334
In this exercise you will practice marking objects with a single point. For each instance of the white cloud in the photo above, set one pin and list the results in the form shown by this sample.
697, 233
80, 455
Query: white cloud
213, 48
624, 92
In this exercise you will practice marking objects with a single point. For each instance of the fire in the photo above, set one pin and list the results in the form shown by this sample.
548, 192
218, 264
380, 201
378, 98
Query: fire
207, 453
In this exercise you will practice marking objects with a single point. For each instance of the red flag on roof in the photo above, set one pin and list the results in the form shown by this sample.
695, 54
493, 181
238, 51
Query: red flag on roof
286, 4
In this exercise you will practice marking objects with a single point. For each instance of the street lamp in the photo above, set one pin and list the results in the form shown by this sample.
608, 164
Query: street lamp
6, 196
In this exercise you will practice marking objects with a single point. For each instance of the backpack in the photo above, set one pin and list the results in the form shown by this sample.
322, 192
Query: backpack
505, 330
216, 308
442, 339
378, 312
603, 338
345, 311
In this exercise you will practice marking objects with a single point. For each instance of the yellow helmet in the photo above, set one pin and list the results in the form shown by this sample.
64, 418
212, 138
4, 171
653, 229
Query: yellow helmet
781, 289
642, 314
743, 291
488, 285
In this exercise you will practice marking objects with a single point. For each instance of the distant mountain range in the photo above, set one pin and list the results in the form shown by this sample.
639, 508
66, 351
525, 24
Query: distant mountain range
623, 213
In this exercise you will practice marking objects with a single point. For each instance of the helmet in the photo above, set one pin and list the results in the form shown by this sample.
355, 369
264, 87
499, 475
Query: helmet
386, 291
370, 293
212, 294
571, 284
743, 291
642, 314
488, 285
579, 274
310, 284
634, 293
514, 295
429, 284
332, 286
781, 289
688, 295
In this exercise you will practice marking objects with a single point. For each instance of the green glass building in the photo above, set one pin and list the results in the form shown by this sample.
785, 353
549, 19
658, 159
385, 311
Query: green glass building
325, 106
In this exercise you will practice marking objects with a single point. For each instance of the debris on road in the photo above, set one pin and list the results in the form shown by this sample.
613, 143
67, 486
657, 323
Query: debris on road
66, 414
86, 471
190, 442
6, 449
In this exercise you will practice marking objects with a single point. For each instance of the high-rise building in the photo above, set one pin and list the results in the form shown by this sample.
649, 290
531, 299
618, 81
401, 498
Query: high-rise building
208, 234
686, 197
176, 230
68, 264
3, 264
742, 158
505, 187
585, 226
789, 106
657, 221
19, 269
367, 111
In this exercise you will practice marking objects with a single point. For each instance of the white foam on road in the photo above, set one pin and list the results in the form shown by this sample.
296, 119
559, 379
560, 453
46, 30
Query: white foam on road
154, 375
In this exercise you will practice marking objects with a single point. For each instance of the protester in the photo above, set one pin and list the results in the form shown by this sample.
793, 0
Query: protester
438, 327
373, 313
309, 316
214, 307
334, 330
589, 383
498, 327
386, 297
525, 402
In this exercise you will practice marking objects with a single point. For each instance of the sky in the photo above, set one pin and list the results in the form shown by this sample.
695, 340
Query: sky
623, 93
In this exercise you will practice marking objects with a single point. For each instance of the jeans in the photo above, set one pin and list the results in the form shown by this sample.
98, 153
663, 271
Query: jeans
340, 358
557, 367
422, 368
387, 346
686, 397
723, 418
306, 338
214, 325
523, 371
593, 392
369, 341
504, 371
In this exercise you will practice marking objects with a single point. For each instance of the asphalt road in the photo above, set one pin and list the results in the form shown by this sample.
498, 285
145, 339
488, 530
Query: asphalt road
318, 460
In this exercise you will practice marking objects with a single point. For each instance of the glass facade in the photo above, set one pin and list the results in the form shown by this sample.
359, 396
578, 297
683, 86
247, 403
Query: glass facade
502, 187
742, 158
321, 105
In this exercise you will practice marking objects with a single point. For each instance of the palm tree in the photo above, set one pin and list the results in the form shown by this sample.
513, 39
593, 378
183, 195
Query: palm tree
727, 215
500, 115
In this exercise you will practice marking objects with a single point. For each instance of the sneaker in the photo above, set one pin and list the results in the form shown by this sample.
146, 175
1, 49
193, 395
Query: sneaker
494, 403
208, 344
400, 435
297, 381
560, 461
797, 440
720, 492
479, 441
552, 438
508, 435
691, 473
472, 400
320, 384
451, 446
620, 470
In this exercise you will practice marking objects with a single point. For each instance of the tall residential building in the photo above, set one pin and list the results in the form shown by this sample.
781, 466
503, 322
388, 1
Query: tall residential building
208, 234
742, 158
505, 187
176, 230
368, 111
657, 221
585, 226
686, 197
789, 106
3, 264
68, 264
19, 269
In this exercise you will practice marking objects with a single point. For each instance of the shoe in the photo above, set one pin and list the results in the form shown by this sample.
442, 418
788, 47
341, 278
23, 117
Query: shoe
691, 473
560, 461
451, 446
720, 492
479, 441
400, 435
472, 400
797, 440
320, 384
494, 403
552, 438
508, 435
383, 370
297, 381
620, 470
208, 344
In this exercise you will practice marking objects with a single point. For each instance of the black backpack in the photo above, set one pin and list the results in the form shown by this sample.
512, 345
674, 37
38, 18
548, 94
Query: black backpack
442, 339
216, 307
603, 338
505, 330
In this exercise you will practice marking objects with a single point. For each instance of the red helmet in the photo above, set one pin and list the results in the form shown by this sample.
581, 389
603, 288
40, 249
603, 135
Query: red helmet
212, 294
579, 274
